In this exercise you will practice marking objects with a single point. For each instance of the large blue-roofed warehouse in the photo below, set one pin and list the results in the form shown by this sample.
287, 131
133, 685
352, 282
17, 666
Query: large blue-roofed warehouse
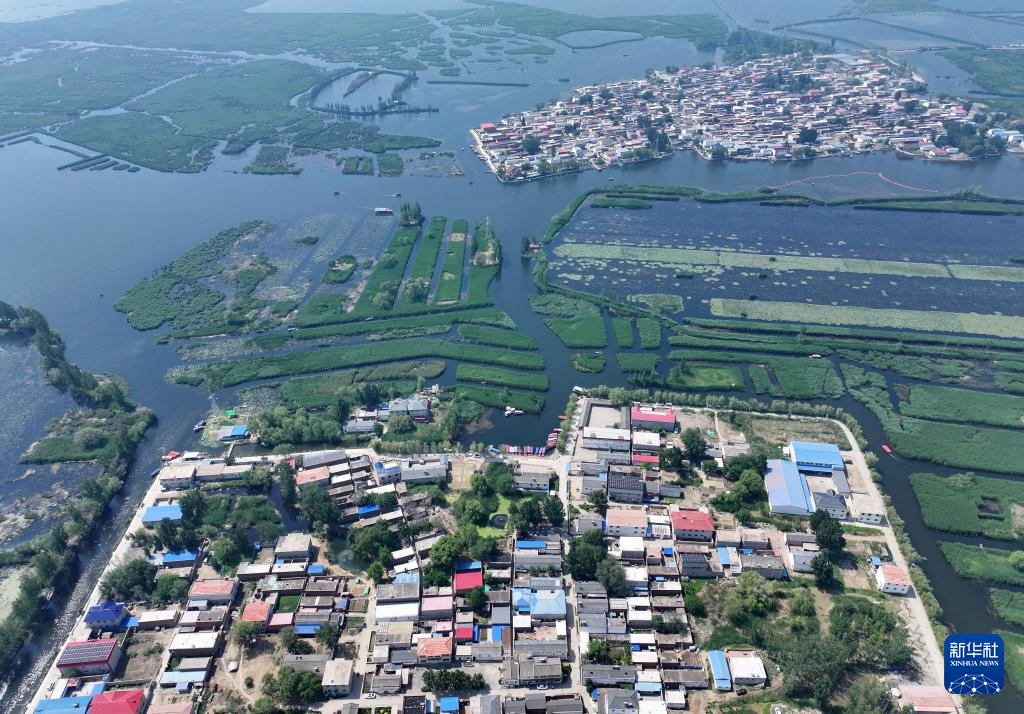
787, 489
816, 457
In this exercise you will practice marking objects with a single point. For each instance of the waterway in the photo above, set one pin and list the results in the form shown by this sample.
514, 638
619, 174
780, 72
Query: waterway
73, 242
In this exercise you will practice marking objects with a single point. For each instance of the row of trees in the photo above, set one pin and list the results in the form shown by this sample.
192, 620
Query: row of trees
451, 680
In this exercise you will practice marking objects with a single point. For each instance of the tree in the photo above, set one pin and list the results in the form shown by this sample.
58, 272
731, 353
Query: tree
245, 634
599, 500
292, 644
286, 479
611, 574
327, 635
1017, 560
828, 534
530, 145
807, 135
694, 445
134, 580
597, 652
225, 552
321, 510
476, 599
554, 511
671, 458
401, 424
292, 686
584, 555
824, 571
868, 695
483, 548
447, 551
170, 588
752, 597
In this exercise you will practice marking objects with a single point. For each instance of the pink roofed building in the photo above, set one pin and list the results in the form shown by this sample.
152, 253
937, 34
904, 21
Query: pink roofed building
257, 611
690, 524
280, 620
435, 650
892, 579
641, 417
464, 582
320, 476
125, 701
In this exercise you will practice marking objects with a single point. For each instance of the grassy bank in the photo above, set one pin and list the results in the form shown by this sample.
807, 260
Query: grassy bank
227, 374
501, 398
322, 390
497, 337
501, 377
985, 564
453, 267
963, 405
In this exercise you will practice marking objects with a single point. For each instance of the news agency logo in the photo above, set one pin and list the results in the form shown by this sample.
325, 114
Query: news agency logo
974, 664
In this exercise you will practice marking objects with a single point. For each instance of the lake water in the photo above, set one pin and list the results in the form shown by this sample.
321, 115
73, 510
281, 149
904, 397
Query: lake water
73, 242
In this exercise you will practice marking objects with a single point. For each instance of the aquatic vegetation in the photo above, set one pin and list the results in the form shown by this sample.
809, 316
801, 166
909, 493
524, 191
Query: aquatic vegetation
497, 337
637, 363
453, 265
417, 285
970, 504
650, 333
662, 303
587, 362
272, 160
389, 164
357, 166
322, 390
623, 329
226, 374
501, 377
340, 270
931, 320
1008, 604
963, 405
759, 379
582, 331
699, 377
985, 564
499, 398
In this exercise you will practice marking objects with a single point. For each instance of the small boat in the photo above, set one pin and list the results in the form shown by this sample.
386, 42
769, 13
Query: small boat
154, 473
199, 425
170, 456
886, 448
562, 416
398, 195
813, 356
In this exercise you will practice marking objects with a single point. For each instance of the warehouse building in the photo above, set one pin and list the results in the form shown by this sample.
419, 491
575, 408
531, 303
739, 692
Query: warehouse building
787, 489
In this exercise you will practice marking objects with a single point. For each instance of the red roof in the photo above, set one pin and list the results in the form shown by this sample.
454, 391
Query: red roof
645, 459
434, 647
312, 475
468, 581
690, 520
256, 611
209, 588
464, 633
661, 416
895, 574
127, 701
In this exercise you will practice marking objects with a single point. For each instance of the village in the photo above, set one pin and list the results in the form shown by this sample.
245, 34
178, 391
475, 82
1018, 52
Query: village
586, 599
778, 109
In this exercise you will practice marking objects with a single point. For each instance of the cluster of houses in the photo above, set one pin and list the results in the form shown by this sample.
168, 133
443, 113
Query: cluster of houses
290, 589
364, 421
521, 626
755, 110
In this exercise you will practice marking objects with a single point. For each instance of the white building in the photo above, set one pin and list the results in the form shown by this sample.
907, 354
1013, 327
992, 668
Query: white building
892, 579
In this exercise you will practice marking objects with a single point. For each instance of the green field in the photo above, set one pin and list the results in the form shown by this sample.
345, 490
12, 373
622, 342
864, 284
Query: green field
623, 329
995, 71
1008, 604
226, 374
421, 274
272, 160
497, 337
760, 379
390, 165
637, 362
1014, 662
985, 564
970, 504
957, 445
931, 320
382, 286
704, 376
500, 398
322, 390
963, 405
797, 378
579, 332
453, 267
687, 257
650, 333
501, 377
587, 362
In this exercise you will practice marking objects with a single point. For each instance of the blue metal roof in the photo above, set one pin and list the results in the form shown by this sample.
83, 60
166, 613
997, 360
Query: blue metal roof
530, 544
315, 569
548, 602
723, 555
522, 599
239, 430
651, 687
179, 556
65, 704
720, 669
787, 488
812, 453
407, 578
468, 566
372, 508
307, 629
449, 704
154, 514
496, 631
186, 677
106, 611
